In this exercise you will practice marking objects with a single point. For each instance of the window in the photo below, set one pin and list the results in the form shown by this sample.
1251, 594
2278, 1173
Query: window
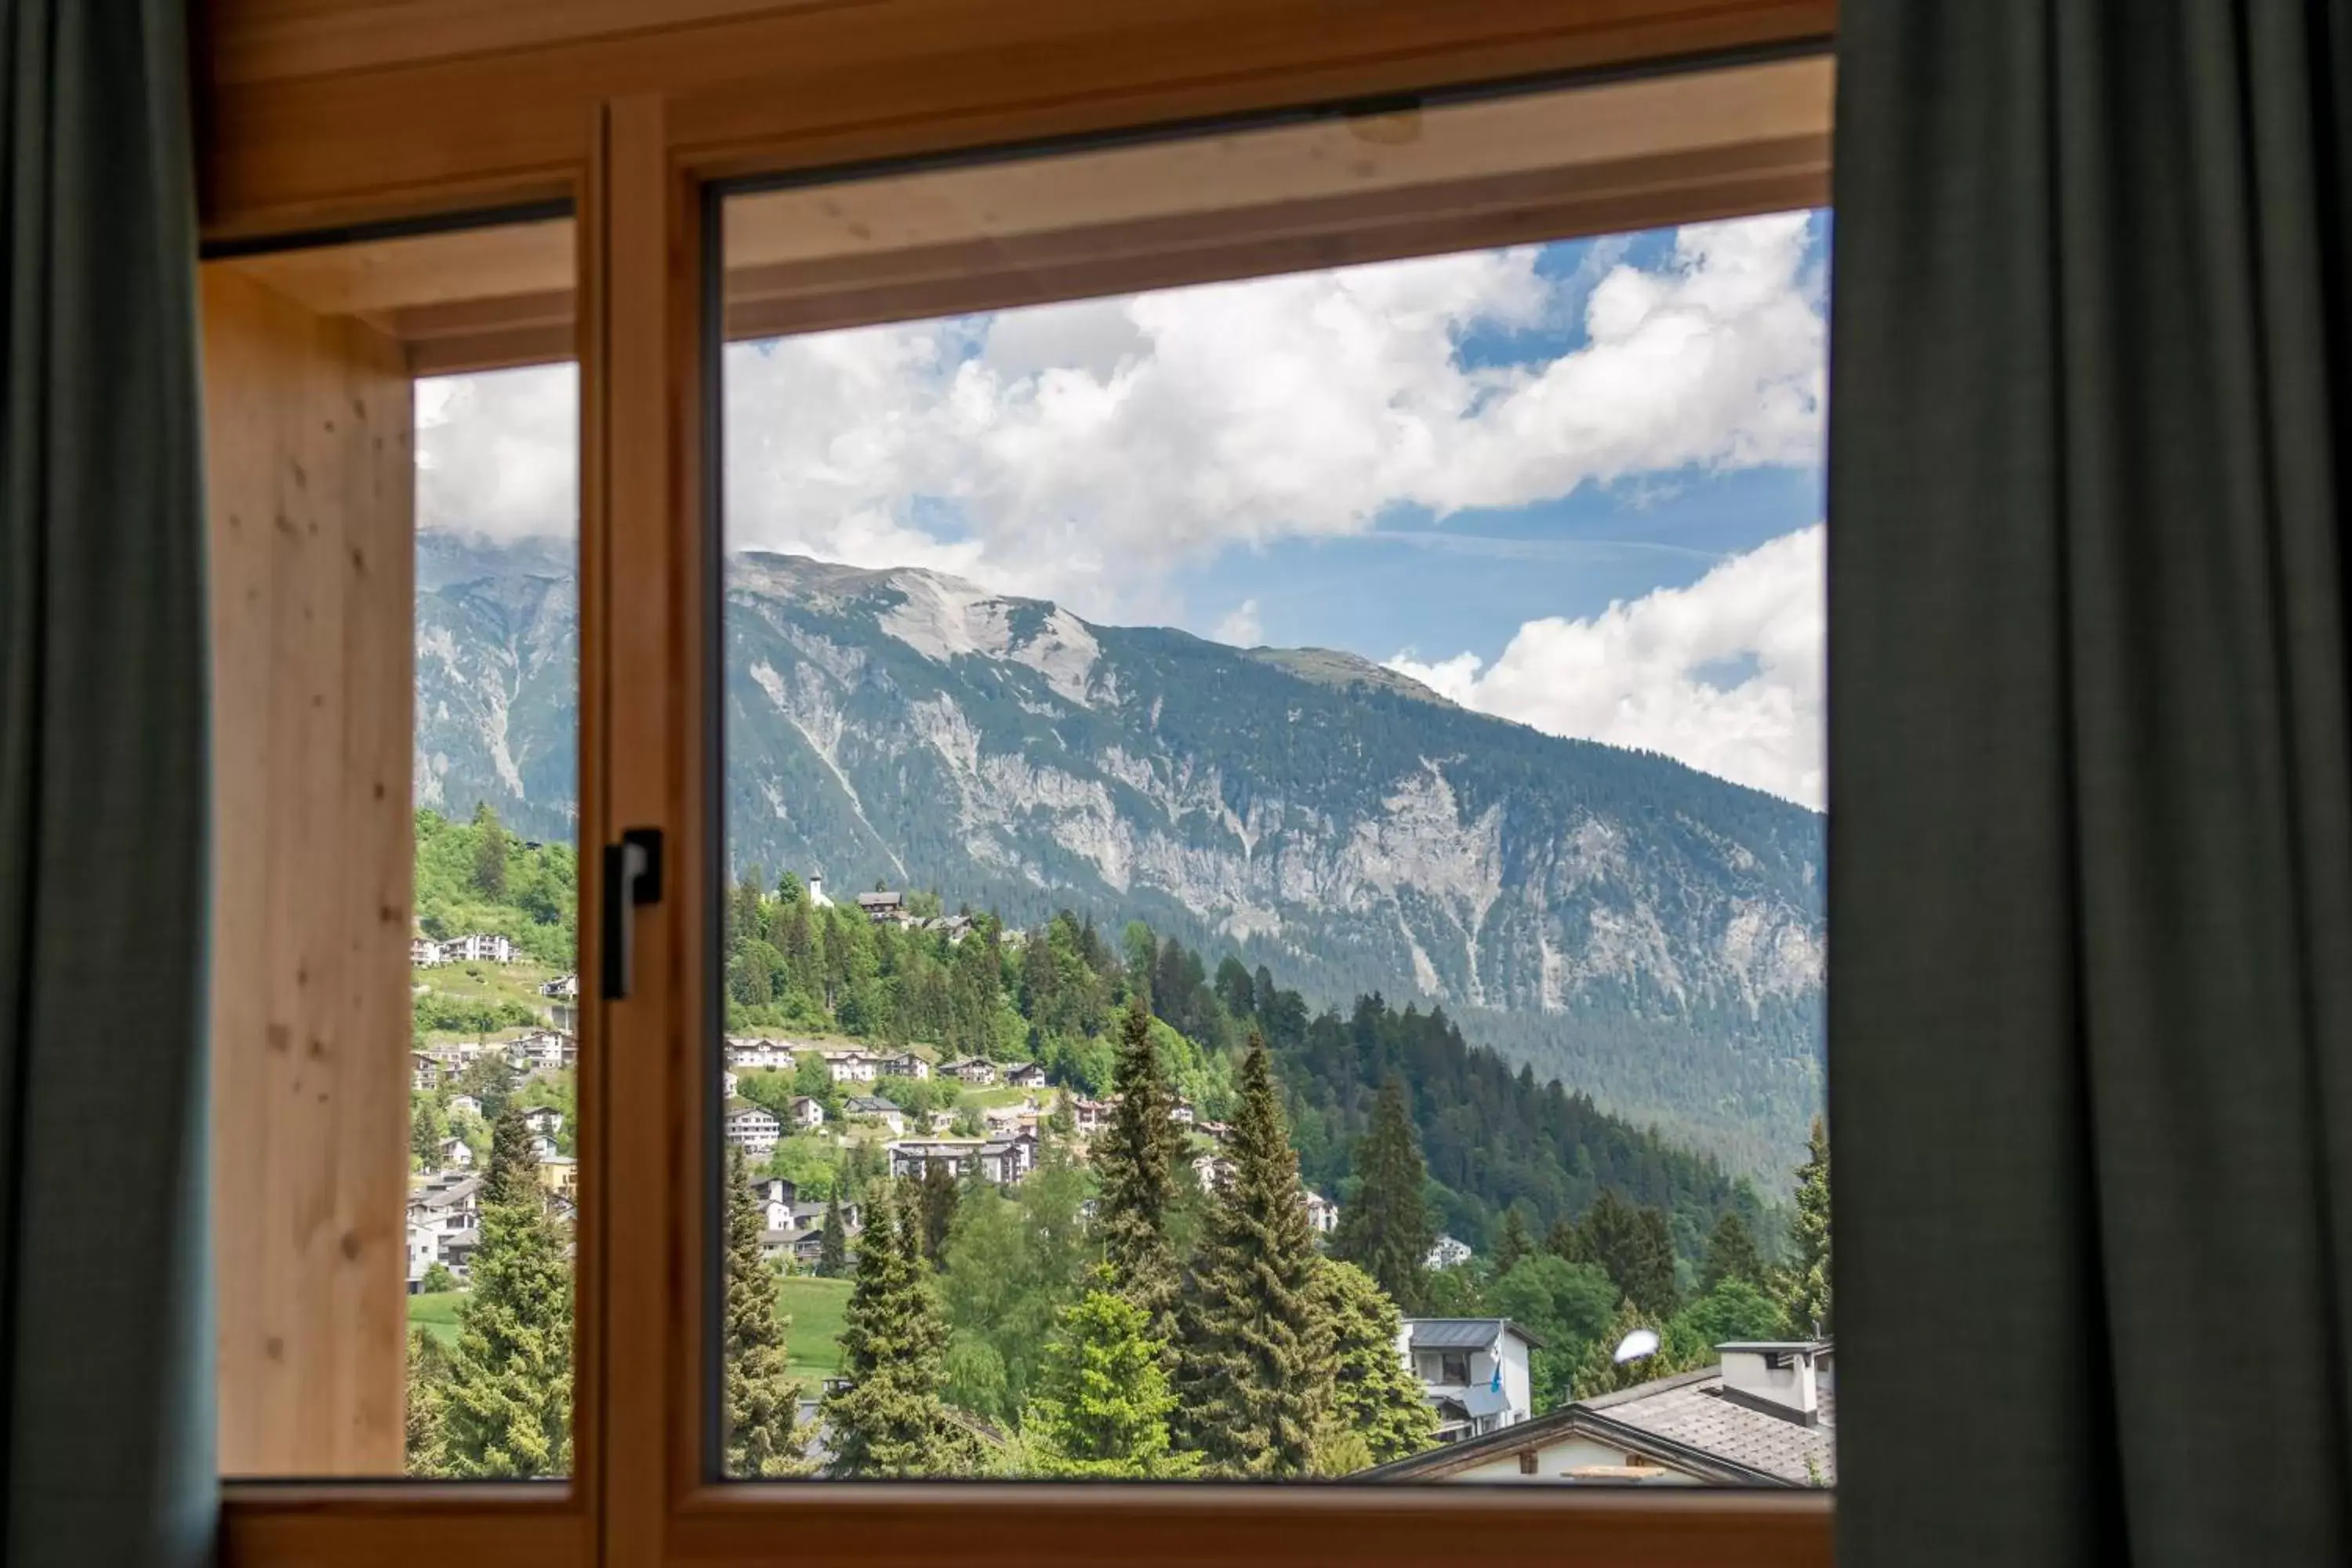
1527, 1464
393, 521
641, 131
1277, 818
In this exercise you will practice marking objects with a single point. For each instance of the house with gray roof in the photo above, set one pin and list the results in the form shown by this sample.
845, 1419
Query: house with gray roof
1474, 1371
1765, 1414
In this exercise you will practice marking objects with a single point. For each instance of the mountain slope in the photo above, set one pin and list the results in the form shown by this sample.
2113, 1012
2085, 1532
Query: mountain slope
1647, 933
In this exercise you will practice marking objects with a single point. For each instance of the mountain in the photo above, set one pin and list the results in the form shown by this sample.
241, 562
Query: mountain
1647, 933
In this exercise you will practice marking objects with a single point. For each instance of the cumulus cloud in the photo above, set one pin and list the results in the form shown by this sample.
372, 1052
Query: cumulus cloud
497, 454
1082, 451
1241, 627
1726, 675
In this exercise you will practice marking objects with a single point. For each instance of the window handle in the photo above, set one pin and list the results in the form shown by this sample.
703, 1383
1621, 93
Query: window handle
633, 876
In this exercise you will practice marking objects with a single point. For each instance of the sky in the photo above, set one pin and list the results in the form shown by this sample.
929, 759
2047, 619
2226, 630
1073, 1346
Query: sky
1577, 485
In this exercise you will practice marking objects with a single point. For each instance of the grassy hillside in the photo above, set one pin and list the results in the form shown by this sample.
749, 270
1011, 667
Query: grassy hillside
815, 1308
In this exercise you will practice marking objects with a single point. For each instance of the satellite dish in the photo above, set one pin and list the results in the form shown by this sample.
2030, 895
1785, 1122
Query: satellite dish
1639, 1345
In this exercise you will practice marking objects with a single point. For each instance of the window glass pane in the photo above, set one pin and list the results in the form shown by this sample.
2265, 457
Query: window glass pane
1274, 923
393, 451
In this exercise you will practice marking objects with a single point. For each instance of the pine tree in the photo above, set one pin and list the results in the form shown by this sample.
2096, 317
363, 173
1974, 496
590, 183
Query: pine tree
762, 1397
1805, 1293
833, 1242
1386, 1230
1255, 1364
428, 1376
490, 853
1511, 1243
937, 1194
1135, 1160
1104, 1399
890, 1420
507, 1412
1376, 1398
1730, 1255
1635, 1246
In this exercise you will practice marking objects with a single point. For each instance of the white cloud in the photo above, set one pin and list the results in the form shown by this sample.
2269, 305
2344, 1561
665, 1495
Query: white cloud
498, 453
1241, 627
1726, 675
1082, 451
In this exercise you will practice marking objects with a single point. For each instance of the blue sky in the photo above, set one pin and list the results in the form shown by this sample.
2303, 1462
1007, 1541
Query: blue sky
1577, 485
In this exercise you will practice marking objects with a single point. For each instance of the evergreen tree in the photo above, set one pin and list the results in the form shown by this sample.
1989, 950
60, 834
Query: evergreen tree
1375, 1396
1512, 1243
1253, 1367
1386, 1230
890, 1420
490, 853
1635, 1245
937, 1195
507, 1412
428, 1377
763, 1398
1730, 1255
1135, 1160
1104, 1398
1805, 1294
1599, 1372
833, 1242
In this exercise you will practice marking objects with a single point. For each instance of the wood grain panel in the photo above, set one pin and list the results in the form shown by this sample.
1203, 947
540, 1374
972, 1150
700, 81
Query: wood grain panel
820, 83
311, 477
499, 1526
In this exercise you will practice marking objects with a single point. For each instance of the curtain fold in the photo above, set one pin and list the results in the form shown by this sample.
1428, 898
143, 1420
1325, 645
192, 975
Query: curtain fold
2091, 775
106, 1341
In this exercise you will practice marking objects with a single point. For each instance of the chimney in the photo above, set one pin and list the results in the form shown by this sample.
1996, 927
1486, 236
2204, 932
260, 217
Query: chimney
1780, 1378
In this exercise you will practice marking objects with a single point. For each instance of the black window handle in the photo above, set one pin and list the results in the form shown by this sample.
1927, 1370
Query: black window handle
633, 876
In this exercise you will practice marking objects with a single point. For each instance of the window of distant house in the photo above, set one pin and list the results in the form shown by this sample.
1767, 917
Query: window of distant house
1314, 782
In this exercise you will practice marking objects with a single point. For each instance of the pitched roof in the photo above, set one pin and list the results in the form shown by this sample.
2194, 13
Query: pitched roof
1462, 1334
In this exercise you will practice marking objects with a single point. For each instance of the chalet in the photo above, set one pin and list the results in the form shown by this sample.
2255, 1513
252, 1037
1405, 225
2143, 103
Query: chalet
774, 1195
455, 1155
852, 1067
1322, 1214
751, 1128
544, 1050
1448, 1253
810, 1217
1472, 1370
464, 1104
543, 1118
1028, 1075
1091, 1115
906, 1064
564, 988
807, 1112
1212, 1170
1000, 1160
543, 1148
424, 1072
478, 948
1765, 1415
970, 1070
760, 1055
448, 1205
873, 1108
883, 908
425, 953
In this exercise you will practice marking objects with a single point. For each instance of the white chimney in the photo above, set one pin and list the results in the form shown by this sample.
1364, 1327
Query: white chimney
1779, 1377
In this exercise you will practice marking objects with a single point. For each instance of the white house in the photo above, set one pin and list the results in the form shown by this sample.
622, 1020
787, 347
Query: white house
852, 1067
807, 1112
544, 1050
563, 987
728, 1083
1448, 1253
906, 1064
1472, 1370
873, 1108
1765, 1415
760, 1055
1322, 1214
466, 1103
752, 1128
425, 953
423, 1252
883, 907
970, 1070
1028, 1075
424, 1072
1091, 1115
481, 947
1180, 1114
1212, 1170
776, 1196
455, 1155
543, 1148
543, 1118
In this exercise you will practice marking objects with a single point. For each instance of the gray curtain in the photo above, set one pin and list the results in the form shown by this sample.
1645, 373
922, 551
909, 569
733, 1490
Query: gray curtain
2090, 812
106, 1399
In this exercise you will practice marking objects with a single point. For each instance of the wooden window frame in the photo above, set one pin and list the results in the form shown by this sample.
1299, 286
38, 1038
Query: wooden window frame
634, 128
